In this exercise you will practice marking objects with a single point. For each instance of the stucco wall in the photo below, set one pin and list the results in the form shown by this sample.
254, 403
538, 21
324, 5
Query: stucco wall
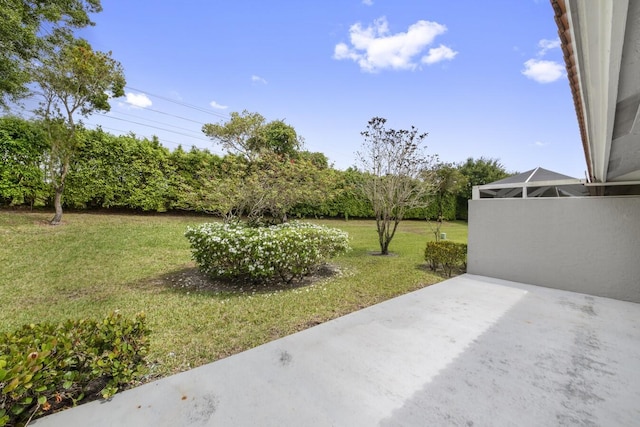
589, 245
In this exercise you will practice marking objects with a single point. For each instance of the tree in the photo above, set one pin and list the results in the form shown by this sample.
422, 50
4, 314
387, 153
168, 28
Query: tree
74, 80
276, 137
237, 136
22, 36
283, 183
319, 159
248, 135
477, 172
397, 179
219, 189
448, 182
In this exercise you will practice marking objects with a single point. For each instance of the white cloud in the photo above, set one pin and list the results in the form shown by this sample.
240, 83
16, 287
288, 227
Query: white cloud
374, 48
258, 79
138, 100
367, 2
540, 144
437, 54
547, 45
543, 71
214, 104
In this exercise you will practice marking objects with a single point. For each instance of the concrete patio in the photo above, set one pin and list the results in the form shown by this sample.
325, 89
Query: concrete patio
470, 351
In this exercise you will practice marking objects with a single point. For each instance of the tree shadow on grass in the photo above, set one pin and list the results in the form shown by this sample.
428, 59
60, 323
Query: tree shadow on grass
191, 279
378, 253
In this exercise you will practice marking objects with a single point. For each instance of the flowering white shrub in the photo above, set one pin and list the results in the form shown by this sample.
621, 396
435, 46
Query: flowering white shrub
284, 251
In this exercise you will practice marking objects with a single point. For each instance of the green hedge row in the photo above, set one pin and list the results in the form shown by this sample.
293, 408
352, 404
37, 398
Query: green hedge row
127, 172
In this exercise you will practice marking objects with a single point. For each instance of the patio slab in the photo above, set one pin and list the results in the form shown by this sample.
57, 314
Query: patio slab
470, 351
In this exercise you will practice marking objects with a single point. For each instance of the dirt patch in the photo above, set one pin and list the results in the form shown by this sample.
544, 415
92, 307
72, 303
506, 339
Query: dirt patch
192, 279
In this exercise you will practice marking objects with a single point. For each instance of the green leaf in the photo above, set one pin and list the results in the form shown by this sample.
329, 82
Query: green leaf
17, 409
11, 386
42, 400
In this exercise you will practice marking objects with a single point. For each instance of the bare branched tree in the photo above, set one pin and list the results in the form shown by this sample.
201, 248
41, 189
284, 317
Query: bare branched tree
397, 175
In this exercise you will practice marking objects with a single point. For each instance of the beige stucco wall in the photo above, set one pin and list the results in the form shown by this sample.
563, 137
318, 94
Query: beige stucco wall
589, 245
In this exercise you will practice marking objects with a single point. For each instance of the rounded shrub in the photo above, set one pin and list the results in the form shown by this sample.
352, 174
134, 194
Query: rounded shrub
262, 254
447, 254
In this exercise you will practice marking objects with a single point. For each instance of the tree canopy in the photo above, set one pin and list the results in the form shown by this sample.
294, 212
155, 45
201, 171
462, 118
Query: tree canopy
27, 27
248, 135
477, 172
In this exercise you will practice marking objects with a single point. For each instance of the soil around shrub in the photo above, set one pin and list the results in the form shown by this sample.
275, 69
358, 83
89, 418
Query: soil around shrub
191, 279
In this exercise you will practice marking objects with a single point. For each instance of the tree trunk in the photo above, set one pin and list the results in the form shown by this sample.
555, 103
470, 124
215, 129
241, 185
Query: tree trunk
381, 226
59, 189
57, 202
384, 248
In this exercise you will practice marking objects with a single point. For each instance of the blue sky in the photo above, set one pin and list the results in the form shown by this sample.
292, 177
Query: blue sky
482, 78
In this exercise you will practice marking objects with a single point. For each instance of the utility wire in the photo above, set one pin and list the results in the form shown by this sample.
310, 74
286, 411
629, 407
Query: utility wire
159, 128
184, 104
172, 115
109, 115
161, 139
22, 111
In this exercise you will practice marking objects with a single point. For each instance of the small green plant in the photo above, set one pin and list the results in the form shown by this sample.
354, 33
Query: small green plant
262, 254
44, 366
446, 254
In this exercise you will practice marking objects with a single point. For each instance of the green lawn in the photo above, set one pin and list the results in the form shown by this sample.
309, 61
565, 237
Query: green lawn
96, 263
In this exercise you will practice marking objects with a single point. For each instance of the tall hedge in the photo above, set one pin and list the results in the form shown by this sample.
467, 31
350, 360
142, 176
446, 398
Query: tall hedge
119, 171
137, 173
22, 151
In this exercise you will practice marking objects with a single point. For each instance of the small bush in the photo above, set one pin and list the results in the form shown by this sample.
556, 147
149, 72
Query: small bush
446, 254
285, 251
44, 367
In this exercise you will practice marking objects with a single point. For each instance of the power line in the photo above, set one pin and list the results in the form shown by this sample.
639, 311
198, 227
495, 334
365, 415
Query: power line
158, 128
172, 115
184, 104
149, 120
22, 111
161, 139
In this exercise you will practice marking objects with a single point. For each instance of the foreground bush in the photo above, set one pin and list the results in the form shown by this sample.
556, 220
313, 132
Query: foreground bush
447, 255
279, 252
44, 367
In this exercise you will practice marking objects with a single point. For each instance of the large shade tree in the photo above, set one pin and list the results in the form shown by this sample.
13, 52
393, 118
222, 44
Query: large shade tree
249, 135
477, 172
27, 27
74, 81
397, 175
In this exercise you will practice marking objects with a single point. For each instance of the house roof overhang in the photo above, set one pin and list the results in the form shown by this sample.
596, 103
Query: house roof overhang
601, 46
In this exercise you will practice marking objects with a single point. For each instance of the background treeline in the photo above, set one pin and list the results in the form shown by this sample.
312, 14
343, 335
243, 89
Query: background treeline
128, 172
